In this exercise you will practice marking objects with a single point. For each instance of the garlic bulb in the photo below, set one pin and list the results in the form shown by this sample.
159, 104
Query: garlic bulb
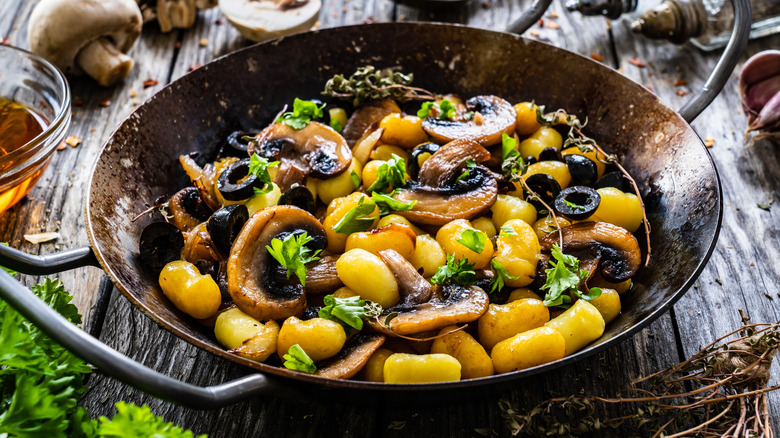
759, 86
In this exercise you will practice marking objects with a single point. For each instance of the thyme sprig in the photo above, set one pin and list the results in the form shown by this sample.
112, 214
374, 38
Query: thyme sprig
368, 83
719, 391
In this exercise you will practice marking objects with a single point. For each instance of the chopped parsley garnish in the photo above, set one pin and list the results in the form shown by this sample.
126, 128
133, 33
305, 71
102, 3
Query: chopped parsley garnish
500, 277
564, 278
357, 219
390, 174
355, 179
459, 272
293, 254
349, 312
336, 125
512, 164
296, 359
446, 109
506, 230
388, 205
473, 240
258, 166
470, 164
302, 113
573, 205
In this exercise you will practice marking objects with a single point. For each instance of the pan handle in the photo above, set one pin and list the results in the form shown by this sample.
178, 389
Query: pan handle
529, 17
120, 367
47, 264
724, 67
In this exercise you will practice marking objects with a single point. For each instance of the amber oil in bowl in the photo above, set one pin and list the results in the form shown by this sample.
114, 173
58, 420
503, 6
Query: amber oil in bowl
34, 116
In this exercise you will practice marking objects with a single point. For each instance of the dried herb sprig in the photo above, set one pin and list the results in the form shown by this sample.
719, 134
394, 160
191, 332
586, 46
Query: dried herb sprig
726, 395
368, 83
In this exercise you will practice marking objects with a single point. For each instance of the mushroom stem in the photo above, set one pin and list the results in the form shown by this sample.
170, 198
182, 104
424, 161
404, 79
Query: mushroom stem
104, 62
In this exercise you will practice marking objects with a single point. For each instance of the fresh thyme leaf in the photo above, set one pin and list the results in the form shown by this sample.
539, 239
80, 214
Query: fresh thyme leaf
388, 205
368, 83
336, 125
500, 277
296, 359
349, 312
355, 179
357, 219
473, 240
293, 254
302, 113
573, 205
506, 230
258, 166
512, 164
459, 272
544, 120
390, 174
564, 279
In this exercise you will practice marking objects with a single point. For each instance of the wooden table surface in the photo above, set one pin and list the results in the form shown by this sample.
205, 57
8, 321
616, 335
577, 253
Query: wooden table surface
743, 272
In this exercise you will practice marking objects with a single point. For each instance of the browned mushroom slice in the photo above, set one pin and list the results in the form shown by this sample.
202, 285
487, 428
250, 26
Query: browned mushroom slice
599, 245
352, 358
321, 276
255, 279
366, 118
188, 209
316, 150
441, 195
492, 116
445, 305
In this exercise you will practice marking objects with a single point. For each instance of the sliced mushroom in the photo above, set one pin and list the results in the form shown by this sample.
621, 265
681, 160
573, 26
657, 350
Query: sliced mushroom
441, 197
446, 305
352, 358
255, 279
260, 20
315, 150
491, 116
321, 277
599, 245
188, 209
367, 118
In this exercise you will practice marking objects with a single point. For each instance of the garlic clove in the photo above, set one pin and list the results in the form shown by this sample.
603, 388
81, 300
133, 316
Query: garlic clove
759, 67
758, 94
769, 116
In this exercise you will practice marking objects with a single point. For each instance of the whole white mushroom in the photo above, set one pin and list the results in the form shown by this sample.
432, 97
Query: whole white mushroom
173, 14
86, 36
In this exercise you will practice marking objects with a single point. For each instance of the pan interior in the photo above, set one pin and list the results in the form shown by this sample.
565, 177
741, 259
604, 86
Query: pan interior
244, 90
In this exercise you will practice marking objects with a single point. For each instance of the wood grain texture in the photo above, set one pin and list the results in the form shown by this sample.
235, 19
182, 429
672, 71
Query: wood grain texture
739, 274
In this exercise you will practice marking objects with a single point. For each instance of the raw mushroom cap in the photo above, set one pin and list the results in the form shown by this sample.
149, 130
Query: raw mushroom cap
263, 20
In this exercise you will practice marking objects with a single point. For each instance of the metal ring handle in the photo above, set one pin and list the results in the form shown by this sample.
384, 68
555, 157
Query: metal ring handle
47, 264
120, 367
728, 60
529, 17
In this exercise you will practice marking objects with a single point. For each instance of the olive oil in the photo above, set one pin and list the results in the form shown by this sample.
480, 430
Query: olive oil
18, 125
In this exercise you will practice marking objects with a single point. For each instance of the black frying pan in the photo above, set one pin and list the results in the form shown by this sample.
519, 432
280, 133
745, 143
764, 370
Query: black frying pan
242, 90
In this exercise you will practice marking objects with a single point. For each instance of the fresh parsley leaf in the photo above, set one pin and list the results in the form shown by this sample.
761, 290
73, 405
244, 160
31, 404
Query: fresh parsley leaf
355, 179
506, 230
390, 174
336, 125
388, 205
500, 277
349, 312
563, 279
446, 109
425, 109
258, 166
297, 359
512, 164
473, 240
573, 205
293, 254
470, 164
357, 219
459, 272
302, 113
139, 421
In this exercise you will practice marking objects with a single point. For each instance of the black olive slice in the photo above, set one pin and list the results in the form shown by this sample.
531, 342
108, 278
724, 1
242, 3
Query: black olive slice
235, 144
225, 224
300, 197
236, 183
161, 243
582, 169
413, 166
550, 154
545, 186
615, 179
577, 202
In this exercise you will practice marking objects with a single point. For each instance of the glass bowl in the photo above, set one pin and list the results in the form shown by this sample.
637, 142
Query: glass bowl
33, 82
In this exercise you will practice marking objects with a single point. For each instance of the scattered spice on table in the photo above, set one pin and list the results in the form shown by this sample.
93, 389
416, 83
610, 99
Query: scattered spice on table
597, 57
73, 141
680, 92
709, 142
104, 102
637, 62
77, 101
552, 25
680, 82
150, 83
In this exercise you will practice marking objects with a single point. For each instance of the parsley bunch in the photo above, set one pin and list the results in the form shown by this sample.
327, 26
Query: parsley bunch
563, 279
459, 272
296, 359
258, 166
512, 164
293, 254
349, 312
303, 112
